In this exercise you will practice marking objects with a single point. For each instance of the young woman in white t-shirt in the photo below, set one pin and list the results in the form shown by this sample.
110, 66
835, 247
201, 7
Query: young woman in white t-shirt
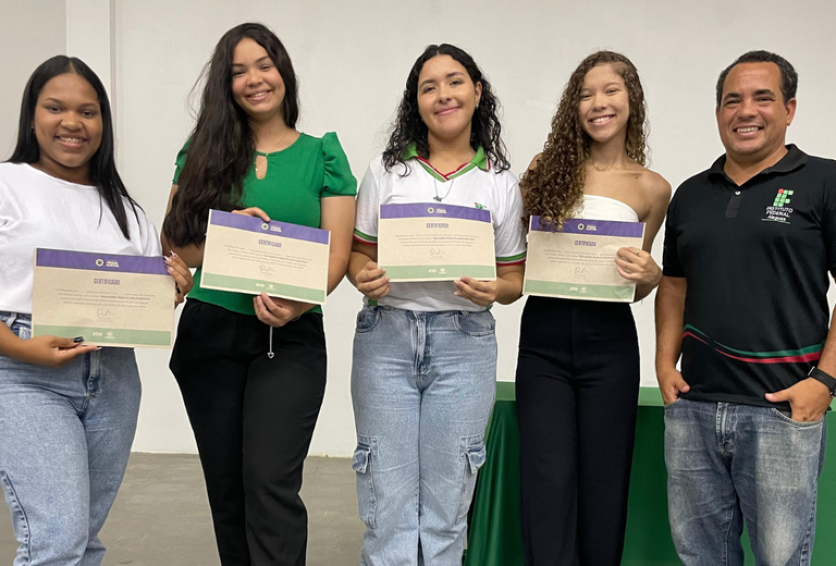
424, 369
67, 410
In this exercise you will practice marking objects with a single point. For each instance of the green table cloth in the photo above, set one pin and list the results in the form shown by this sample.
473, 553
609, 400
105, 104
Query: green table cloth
494, 538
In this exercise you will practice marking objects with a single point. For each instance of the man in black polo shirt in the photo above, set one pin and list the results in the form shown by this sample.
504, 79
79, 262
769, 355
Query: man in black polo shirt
748, 247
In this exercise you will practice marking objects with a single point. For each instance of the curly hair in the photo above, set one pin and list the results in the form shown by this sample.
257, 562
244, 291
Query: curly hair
555, 187
410, 128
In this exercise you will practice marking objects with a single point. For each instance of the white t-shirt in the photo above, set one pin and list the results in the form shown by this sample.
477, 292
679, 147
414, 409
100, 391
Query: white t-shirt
475, 184
40, 211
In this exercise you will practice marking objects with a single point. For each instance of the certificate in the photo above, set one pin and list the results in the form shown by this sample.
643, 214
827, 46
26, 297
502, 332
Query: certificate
435, 242
579, 262
110, 300
244, 254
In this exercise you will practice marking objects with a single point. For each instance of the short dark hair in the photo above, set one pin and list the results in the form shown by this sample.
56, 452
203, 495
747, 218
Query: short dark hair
789, 78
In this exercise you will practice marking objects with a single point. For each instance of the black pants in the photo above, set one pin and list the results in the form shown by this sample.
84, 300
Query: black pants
577, 391
253, 418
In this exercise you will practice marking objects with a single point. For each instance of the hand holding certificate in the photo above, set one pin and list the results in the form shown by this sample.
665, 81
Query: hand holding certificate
245, 254
579, 262
110, 300
435, 242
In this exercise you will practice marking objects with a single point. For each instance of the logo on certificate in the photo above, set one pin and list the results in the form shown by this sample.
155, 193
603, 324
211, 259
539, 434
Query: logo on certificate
99, 262
430, 210
265, 226
581, 226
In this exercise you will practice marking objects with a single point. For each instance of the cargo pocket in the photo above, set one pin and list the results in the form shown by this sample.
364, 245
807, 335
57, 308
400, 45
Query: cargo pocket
362, 464
474, 455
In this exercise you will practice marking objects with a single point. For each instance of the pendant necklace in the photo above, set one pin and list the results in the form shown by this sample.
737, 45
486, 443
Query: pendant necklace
264, 155
435, 188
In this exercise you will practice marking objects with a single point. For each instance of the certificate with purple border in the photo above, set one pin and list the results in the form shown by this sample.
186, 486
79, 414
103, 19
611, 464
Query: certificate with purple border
435, 242
110, 300
244, 254
579, 261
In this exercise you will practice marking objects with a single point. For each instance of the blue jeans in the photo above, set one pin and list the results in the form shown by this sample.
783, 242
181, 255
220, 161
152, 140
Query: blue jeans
423, 385
733, 463
65, 439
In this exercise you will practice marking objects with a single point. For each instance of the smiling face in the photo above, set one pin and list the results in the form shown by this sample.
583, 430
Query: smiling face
257, 85
447, 98
68, 127
604, 106
753, 116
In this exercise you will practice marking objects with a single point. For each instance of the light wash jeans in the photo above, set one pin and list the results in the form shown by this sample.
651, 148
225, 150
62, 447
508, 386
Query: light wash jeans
732, 463
423, 385
65, 438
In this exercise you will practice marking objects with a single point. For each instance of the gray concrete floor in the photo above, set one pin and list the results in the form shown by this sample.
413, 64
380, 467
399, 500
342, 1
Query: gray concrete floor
161, 516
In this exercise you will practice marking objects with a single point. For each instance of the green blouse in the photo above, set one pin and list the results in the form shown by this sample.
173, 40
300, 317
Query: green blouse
297, 178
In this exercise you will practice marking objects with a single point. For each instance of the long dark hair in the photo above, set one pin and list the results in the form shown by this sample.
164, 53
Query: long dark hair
410, 128
222, 146
555, 187
102, 174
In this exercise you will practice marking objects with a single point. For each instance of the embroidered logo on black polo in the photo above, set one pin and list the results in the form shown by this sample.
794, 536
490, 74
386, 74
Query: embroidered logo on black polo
780, 211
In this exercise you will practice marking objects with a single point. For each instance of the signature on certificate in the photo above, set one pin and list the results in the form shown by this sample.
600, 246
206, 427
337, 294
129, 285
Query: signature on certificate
436, 252
266, 269
104, 314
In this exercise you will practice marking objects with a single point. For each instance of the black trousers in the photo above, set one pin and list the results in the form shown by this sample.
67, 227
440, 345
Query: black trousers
253, 418
577, 391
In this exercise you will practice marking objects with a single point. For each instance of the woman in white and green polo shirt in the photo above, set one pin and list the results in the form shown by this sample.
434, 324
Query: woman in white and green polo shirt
425, 353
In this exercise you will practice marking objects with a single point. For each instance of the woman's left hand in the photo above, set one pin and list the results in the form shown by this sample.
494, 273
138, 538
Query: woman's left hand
637, 265
482, 293
183, 281
277, 312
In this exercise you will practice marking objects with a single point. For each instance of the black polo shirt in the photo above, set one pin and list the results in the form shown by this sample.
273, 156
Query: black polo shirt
756, 259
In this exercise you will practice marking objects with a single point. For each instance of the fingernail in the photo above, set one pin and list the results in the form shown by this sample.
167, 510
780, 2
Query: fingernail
78, 339
173, 254
168, 259
169, 269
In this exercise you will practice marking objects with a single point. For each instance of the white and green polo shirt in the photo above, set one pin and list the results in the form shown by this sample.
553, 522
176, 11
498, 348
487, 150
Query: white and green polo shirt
475, 184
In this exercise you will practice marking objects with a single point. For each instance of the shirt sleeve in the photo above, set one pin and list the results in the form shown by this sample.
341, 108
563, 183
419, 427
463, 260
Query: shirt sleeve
509, 235
368, 203
671, 265
338, 180
180, 162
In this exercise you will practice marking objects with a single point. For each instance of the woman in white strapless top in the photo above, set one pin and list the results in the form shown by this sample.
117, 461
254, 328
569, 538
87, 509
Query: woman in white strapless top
578, 366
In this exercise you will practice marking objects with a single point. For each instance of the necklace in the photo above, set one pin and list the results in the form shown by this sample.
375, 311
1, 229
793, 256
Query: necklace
447, 194
595, 164
272, 149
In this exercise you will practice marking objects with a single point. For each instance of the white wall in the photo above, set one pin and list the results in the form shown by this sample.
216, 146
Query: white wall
30, 33
353, 58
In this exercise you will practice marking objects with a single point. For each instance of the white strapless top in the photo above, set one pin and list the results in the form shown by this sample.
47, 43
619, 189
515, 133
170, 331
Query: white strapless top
595, 207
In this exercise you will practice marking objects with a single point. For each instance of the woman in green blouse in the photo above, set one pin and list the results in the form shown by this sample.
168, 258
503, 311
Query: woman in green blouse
252, 369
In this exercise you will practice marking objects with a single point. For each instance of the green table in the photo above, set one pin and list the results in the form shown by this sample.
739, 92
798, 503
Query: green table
494, 538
